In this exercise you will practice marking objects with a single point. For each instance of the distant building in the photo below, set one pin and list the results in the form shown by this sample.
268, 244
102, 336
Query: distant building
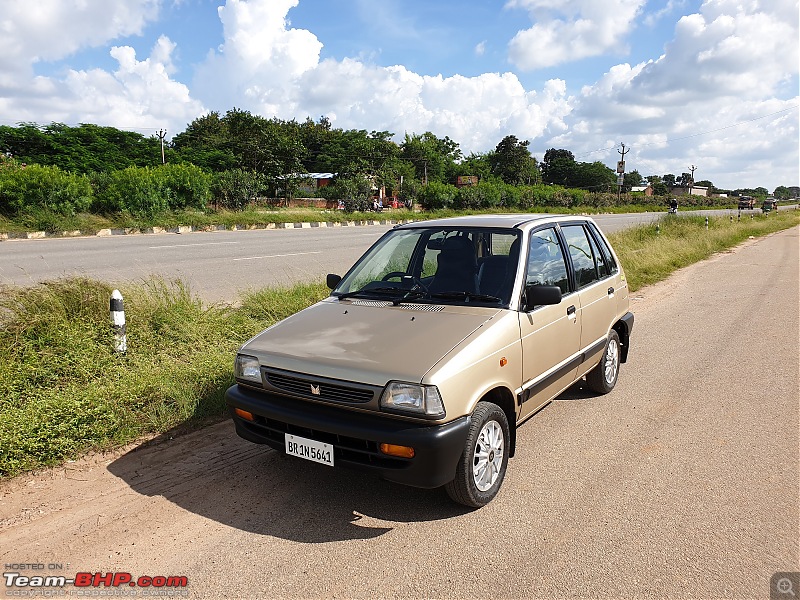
695, 190
310, 182
647, 190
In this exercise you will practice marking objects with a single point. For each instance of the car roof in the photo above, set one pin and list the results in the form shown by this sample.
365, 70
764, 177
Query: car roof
503, 221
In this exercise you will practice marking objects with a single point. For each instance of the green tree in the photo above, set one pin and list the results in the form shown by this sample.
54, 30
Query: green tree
658, 185
479, 165
433, 158
512, 162
705, 183
632, 179
782, 193
83, 149
558, 166
593, 176
206, 143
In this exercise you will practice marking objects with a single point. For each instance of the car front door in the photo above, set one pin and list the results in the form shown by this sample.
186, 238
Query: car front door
550, 334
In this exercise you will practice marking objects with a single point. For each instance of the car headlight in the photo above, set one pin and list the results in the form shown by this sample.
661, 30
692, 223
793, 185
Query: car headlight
412, 398
247, 368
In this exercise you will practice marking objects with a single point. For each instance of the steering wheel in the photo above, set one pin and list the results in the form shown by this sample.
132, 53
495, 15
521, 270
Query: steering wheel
392, 274
402, 274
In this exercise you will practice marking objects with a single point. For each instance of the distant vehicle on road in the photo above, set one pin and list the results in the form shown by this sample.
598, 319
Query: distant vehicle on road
746, 203
769, 204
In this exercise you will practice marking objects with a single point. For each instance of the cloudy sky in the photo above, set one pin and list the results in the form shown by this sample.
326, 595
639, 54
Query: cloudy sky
710, 83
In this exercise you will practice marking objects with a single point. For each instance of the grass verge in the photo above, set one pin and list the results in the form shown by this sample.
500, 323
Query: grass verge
63, 391
649, 253
55, 223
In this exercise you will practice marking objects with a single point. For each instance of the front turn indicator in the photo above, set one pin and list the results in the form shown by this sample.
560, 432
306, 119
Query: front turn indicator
395, 450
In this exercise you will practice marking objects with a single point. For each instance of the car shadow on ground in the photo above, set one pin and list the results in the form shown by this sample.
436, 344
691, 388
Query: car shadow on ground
215, 474
578, 391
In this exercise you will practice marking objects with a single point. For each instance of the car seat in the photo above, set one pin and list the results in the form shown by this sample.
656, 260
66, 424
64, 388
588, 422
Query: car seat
457, 267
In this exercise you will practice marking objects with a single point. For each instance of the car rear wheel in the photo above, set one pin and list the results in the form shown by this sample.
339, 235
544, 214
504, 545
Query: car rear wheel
603, 377
482, 466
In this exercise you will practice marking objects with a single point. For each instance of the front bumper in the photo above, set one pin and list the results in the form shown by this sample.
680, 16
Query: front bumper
355, 436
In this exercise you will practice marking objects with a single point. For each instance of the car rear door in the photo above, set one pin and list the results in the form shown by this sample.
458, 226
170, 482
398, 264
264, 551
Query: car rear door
595, 288
550, 334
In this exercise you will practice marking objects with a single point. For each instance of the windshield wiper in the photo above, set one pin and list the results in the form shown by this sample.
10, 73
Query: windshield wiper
466, 296
412, 294
378, 290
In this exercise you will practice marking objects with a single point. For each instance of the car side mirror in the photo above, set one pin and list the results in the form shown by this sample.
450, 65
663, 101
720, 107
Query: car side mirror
332, 280
540, 295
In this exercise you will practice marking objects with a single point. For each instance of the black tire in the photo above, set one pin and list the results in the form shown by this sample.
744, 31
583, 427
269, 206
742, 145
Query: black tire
488, 435
603, 377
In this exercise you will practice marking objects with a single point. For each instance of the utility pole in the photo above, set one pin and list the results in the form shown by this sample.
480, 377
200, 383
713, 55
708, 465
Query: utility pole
691, 179
162, 133
621, 172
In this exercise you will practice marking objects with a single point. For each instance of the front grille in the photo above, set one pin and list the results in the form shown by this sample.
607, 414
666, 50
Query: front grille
318, 388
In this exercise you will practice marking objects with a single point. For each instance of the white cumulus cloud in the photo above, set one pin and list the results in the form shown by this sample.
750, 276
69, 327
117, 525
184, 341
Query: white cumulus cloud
570, 30
268, 67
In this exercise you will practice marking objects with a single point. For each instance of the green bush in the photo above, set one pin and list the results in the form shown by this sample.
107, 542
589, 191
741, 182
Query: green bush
38, 187
483, 195
183, 186
436, 196
510, 196
149, 191
134, 190
409, 192
236, 188
354, 192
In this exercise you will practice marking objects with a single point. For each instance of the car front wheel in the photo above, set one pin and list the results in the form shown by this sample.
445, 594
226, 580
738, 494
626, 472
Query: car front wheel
482, 466
603, 377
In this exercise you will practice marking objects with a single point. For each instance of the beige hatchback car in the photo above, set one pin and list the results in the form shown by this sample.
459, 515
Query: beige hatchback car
435, 346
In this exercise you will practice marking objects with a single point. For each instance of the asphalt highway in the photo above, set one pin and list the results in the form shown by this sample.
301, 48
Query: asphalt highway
217, 266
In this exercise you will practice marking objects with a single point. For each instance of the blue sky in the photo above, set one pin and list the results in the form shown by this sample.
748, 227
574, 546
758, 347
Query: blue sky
709, 83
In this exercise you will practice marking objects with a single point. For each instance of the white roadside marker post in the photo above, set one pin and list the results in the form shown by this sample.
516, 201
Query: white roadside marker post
118, 322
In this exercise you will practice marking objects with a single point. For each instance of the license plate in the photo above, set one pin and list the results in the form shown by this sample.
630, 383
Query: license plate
309, 449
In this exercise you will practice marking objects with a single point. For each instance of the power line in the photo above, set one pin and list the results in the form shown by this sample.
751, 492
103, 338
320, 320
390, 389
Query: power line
686, 137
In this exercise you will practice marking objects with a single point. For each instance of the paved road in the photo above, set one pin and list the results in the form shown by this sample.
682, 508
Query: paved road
682, 483
217, 266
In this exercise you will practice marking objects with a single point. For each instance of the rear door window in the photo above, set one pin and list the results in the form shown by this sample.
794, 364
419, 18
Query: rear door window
580, 251
605, 251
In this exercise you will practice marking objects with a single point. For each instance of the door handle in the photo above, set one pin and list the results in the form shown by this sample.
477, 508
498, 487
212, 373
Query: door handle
611, 291
571, 313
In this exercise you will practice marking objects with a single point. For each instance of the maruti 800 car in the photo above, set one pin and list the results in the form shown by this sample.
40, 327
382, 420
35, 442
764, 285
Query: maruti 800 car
435, 346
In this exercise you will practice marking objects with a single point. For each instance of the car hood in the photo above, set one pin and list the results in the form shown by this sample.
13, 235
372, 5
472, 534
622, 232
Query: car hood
366, 341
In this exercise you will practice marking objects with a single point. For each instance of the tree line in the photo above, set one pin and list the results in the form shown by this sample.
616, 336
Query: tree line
227, 160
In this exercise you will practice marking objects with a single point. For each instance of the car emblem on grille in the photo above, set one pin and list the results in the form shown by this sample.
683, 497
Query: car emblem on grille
315, 389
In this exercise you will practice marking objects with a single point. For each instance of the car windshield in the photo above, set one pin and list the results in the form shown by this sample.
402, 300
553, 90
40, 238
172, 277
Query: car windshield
450, 265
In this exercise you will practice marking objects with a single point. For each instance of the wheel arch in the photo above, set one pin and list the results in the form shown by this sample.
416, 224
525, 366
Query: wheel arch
502, 397
623, 328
